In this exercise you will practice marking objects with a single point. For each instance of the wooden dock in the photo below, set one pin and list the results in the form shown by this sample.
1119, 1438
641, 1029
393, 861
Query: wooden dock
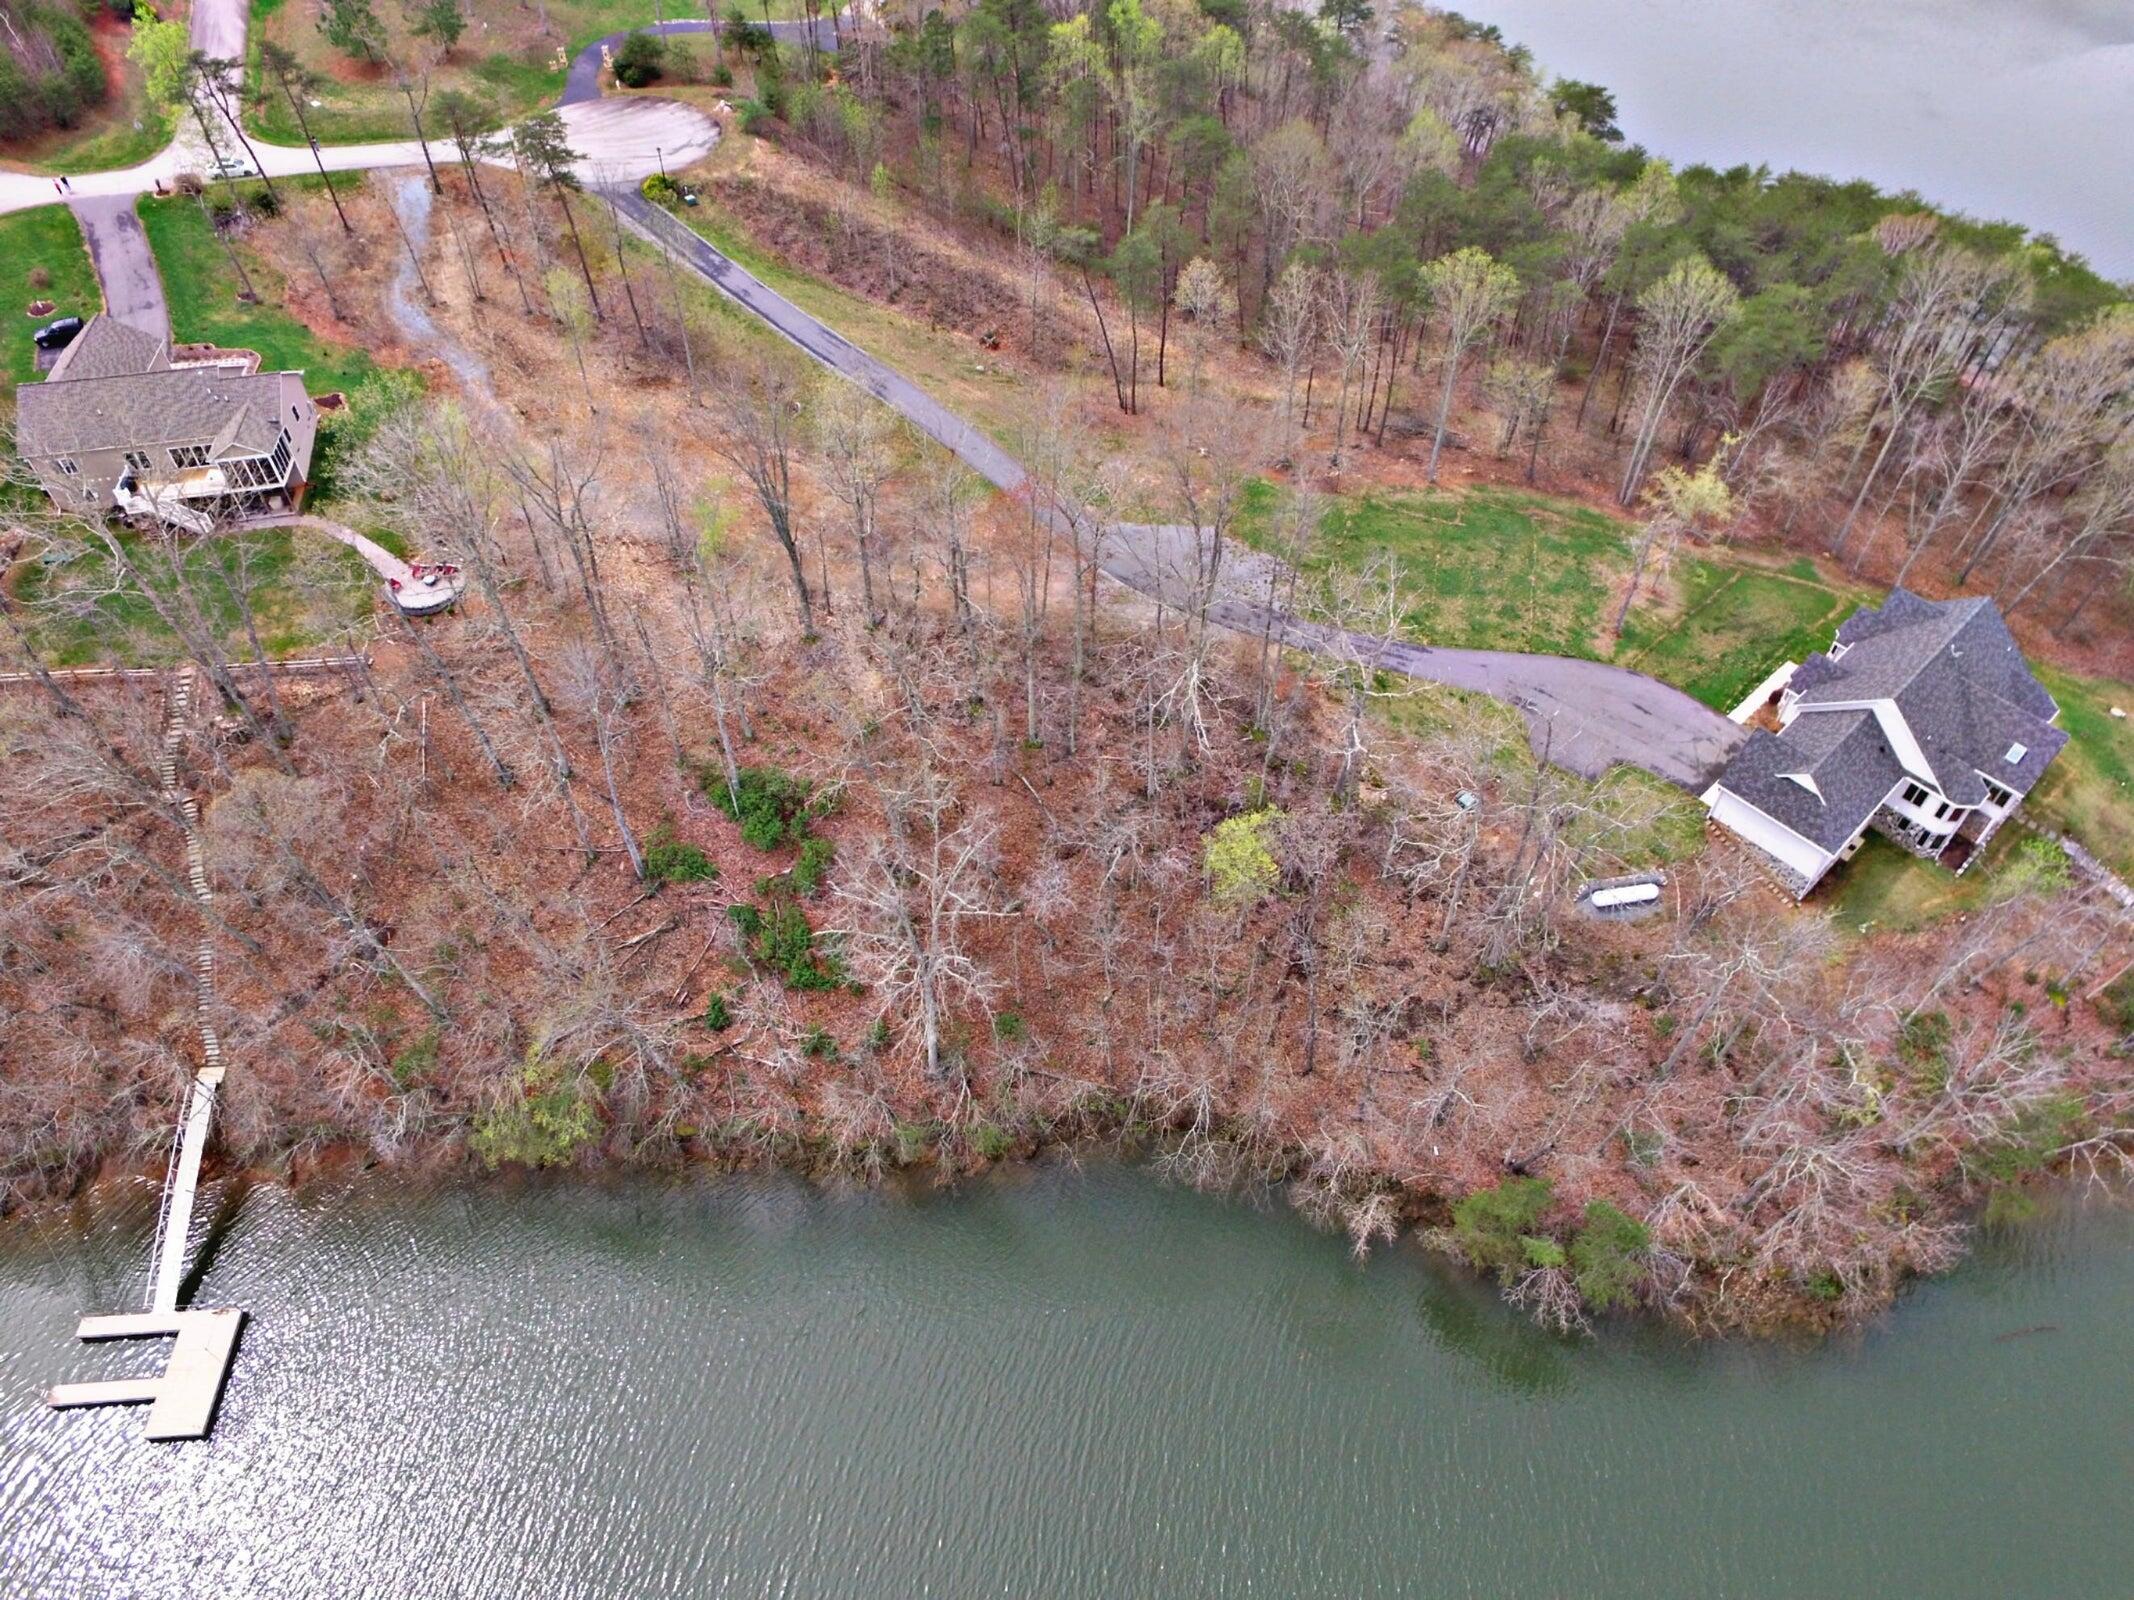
182, 1399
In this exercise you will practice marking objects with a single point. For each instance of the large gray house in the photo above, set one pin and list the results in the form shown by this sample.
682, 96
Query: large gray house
1922, 721
123, 423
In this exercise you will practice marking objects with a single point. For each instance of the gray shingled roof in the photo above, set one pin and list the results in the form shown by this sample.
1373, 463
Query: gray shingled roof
178, 405
1843, 751
1960, 683
107, 348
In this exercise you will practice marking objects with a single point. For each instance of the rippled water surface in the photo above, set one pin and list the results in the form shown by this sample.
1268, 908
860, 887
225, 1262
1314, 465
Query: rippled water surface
2022, 109
1061, 1384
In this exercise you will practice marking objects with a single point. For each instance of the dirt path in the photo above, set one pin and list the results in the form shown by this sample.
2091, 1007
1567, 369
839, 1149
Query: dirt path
412, 200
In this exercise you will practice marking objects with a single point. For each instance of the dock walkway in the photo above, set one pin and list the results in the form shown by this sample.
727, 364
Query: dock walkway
183, 1398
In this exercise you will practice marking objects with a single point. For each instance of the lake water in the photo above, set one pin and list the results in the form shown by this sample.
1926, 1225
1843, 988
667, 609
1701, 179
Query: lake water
2017, 109
1059, 1383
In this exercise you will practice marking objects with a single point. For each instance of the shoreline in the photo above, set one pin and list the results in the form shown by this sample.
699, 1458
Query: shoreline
1904, 158
1785, 1317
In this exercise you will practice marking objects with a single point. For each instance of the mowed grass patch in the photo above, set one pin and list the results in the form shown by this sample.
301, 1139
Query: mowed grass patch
1495, 569
47, 243
2088, 791
85, 610
1730, 626
1885, 889
1488, 569
203, 290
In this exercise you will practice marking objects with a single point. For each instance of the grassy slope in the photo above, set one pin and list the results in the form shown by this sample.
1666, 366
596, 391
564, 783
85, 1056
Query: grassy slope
303, 591
1886, 890
122, 132
1502, 570
1736, 623
1510, 571
45, 239
2089, 790
938, 362
204, 305
1632, 818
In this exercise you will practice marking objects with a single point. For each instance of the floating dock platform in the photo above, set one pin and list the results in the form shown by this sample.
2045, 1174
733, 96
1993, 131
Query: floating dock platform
183, 1397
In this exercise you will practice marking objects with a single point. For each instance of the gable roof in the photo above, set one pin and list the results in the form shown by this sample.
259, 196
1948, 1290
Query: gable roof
1845, 754
240, 415
108, 348
1950, 673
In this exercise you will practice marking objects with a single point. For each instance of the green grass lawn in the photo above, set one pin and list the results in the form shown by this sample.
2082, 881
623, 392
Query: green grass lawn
1489, 568
1885, 889
2088, 791
42, 257
1735, 624
125, 142
84, 611
1495, 569
204, 306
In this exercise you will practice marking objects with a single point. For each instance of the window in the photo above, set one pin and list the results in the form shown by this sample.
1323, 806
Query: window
1941, 808
1915, 795
252, 472
1998, 795
137, 461
2016, 752
188, 455
66, 465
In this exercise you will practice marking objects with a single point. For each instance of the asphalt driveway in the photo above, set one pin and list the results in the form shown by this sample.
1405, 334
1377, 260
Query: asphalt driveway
1583, 716
125, 266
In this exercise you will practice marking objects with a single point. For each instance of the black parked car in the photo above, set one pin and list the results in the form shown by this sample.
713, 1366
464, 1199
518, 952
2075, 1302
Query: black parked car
57, 335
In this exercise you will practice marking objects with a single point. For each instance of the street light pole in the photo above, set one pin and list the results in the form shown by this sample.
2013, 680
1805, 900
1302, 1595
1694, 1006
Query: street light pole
660, 156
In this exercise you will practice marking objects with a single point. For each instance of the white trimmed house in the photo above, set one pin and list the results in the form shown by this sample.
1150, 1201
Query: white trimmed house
1922, 721
125, 423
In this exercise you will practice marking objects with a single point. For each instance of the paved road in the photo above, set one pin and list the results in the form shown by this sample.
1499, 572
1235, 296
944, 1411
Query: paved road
620, 141
826, 345
218, 28
1584, 715
125, 266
